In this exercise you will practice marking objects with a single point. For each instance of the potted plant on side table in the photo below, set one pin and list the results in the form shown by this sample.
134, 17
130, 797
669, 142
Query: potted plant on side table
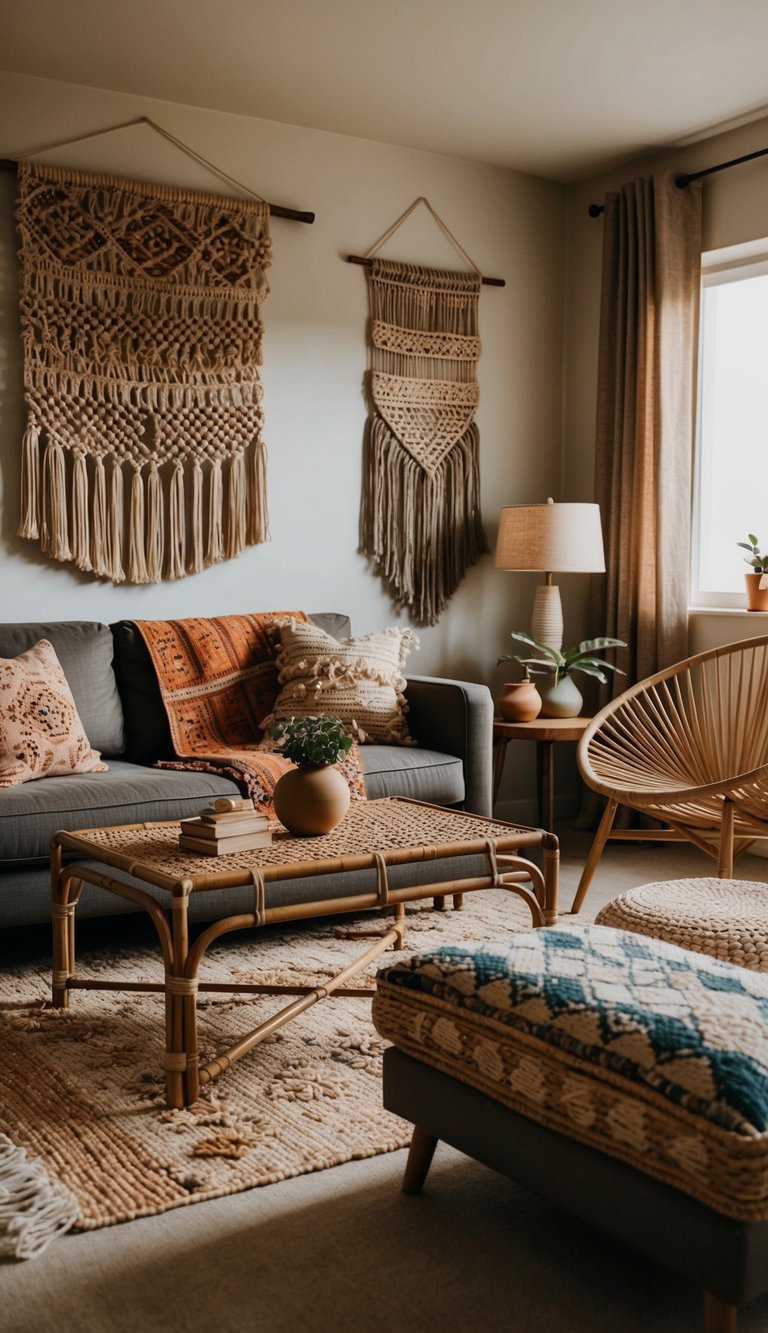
560, 695
314, 797
757, 581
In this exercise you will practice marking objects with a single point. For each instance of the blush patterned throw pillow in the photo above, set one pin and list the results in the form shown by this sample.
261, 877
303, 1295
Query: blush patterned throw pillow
358, 680
41, 734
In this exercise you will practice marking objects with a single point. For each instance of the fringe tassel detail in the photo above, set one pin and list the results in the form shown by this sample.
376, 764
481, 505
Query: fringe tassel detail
176, 525
155, 525
215, 549
258, 516
30, 483
196, 560
114, 532
422, 531
236, 502
137, 565
99, 562
81, 539
54, 537
33, 1212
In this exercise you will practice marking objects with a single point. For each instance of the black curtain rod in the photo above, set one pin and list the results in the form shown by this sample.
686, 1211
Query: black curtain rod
276, 210
595, 210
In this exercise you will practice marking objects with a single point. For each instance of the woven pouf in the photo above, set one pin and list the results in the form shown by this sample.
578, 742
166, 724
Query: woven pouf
726, 918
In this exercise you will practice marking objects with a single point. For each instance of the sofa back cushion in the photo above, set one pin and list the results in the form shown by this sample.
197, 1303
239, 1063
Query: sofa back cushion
84, 649
147, 734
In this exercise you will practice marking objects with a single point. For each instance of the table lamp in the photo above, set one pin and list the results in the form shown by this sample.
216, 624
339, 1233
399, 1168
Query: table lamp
553, 538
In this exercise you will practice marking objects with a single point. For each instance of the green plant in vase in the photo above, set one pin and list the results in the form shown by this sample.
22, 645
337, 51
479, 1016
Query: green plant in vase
313, 797
561, 697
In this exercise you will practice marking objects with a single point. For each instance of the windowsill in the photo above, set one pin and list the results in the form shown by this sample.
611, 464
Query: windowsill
723, 611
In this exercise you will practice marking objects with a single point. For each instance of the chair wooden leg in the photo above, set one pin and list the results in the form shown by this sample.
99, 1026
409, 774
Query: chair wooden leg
420, 1156
595, 852
725, 859
719, 1317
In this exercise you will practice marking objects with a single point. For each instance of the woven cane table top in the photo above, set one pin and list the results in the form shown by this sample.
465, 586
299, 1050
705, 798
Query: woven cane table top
399, 829
725, 918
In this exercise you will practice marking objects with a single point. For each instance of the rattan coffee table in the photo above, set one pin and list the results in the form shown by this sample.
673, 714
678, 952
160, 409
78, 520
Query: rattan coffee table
374, 836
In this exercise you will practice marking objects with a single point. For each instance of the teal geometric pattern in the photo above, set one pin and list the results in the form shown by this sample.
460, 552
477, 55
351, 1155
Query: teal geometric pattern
683, 1024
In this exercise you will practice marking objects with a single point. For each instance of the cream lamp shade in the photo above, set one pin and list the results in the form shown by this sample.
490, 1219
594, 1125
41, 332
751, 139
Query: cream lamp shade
553, 538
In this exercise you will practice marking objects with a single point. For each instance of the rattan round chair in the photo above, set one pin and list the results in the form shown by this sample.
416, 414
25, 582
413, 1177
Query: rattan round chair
689, 747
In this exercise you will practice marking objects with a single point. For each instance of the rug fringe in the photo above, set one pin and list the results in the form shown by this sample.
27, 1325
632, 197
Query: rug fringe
33, 1212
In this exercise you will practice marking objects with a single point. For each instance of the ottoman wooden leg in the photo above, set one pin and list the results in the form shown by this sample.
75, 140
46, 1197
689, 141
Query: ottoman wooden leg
719, 1317
420, 1156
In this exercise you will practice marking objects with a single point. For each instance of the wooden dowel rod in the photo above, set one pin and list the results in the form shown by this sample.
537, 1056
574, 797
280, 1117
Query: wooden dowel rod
276, 210
366, 263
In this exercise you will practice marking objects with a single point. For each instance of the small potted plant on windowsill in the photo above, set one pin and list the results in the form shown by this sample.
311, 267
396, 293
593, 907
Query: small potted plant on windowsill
757, 581
313, 797
560, 695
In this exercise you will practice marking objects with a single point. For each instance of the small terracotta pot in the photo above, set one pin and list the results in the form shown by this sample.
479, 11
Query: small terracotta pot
757, 597
519, 701
311, 800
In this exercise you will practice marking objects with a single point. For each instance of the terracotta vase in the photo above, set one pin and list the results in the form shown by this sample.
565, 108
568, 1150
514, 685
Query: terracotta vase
757, 597
311, 800
519, 701
561, 698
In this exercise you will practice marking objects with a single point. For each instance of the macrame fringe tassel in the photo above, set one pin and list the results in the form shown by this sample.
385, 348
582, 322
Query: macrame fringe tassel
80, 538
258, 516
214, 548
196, 560
422, 531
33, 1212
155, 526
236, 506
99, 519
30, 483
176, 525
137, 564
113, 567
54, 536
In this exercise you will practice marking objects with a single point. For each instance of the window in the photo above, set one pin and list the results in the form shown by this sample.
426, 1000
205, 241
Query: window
731, 473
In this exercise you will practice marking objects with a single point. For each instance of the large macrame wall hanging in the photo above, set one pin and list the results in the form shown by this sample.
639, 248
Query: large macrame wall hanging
142, 331
421, 525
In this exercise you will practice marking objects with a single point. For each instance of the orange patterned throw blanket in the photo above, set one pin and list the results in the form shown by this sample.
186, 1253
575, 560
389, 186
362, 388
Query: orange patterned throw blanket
218, 680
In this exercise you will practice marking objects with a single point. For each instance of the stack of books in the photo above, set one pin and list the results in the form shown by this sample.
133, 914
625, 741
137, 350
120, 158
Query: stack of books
214, 832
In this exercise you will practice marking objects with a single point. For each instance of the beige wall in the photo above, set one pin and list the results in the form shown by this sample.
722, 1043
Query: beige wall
314, 359
735, 209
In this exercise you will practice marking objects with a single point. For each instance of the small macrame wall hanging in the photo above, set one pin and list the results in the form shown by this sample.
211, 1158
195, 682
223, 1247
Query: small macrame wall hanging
420, 521
142, 332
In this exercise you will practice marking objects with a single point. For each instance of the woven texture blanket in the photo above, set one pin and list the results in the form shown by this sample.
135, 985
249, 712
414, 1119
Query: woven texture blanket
141, 325
218, 680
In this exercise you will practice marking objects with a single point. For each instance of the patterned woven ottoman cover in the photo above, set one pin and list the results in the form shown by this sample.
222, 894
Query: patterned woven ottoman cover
641, 1049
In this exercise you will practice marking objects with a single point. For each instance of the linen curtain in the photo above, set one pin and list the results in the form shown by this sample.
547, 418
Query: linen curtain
645, 419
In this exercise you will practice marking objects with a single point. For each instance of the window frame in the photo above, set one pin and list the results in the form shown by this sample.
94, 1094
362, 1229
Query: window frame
734, 263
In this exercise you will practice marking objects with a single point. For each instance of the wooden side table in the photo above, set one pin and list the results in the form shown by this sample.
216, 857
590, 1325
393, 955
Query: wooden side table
546, 732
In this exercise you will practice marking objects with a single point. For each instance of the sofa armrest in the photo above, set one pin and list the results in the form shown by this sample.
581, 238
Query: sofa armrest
456, 717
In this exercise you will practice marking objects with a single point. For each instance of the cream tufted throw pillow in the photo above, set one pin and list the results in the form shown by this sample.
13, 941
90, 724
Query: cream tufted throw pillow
41, 734
358, 680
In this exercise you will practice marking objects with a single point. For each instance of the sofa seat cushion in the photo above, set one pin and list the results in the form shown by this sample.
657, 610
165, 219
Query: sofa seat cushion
643, 1050
422, 775
125, 794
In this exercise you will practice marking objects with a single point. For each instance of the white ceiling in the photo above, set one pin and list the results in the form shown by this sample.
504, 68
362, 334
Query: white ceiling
559, 88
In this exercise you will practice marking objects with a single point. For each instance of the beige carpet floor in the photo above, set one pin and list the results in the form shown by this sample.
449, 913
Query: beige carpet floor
341, 1249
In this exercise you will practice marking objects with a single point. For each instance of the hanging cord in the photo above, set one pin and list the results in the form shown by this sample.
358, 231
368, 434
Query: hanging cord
368, 256
276, 209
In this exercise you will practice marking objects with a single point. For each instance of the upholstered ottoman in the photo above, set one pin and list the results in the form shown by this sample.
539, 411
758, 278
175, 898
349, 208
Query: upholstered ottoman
621, 1077
727, 918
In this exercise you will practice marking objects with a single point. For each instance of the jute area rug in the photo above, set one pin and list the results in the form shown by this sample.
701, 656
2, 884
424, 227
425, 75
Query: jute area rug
83, 1088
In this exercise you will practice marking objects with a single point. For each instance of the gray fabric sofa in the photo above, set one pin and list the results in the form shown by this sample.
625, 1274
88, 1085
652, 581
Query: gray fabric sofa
114, 687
